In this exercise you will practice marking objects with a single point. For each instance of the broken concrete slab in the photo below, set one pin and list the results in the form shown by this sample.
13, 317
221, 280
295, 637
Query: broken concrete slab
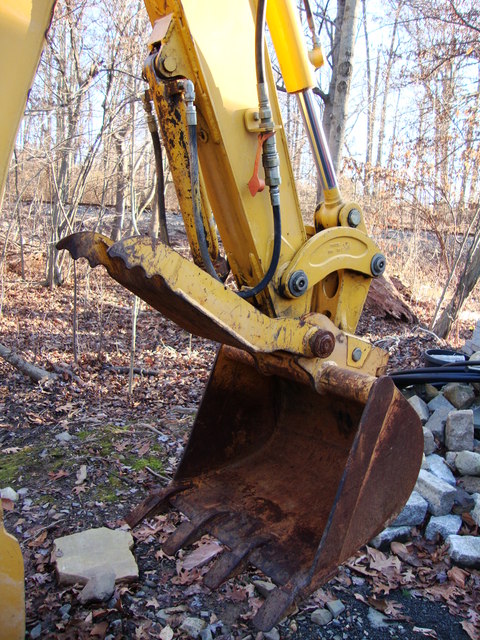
459, 430
464, 550
81, 556
99, 588
438, 493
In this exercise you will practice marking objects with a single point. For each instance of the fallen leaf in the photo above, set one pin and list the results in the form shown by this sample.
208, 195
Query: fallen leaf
56, 475
458, 576
100, 629
202, 555
7, 504
471, 630
166, 633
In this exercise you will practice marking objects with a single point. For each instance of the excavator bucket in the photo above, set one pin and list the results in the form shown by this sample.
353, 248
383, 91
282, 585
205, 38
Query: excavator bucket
290, 480
291, 466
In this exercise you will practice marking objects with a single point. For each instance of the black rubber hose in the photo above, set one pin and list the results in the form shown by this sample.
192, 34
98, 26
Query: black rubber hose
274, 191
197, 203
259, 41
157, 151
277, 243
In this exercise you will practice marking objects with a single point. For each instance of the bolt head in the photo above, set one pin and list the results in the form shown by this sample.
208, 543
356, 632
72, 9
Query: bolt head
354, 218
356, 354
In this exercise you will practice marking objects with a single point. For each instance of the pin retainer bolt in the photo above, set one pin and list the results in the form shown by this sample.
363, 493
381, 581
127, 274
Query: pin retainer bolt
378, 264
322, 343
356, 354
298, 283
354, 218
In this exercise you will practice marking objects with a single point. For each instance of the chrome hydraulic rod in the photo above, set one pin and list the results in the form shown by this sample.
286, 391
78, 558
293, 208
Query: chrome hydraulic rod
316, 136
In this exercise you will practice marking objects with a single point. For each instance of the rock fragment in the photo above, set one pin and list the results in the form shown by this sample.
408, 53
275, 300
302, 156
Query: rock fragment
429, 445
80, 556
438, 493
413, 513
459, 394
464, 550
420, 407
470, 483
99, 587
468, 463
436, 423
459, 430
476, 509
263, 587
443, 525
321, 617
336, 607
193, 626
440, 402
388, 535
437, 465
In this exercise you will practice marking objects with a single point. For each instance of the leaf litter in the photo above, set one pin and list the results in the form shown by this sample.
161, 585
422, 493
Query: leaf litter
99, 475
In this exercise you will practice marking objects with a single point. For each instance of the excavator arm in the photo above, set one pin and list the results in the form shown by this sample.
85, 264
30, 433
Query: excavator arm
301, 451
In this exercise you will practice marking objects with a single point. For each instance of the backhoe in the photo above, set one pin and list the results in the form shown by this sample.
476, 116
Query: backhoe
302, 449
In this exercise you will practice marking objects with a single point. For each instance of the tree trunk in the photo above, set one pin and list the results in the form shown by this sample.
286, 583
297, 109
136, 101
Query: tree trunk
336, 102
468, 279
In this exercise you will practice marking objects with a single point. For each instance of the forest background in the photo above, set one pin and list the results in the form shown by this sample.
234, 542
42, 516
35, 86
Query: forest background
400, 98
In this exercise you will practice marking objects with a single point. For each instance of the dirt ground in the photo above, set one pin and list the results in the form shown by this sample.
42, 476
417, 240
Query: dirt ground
122, 446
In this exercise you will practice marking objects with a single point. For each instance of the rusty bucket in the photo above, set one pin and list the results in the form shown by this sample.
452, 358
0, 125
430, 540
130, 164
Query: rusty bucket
292, 481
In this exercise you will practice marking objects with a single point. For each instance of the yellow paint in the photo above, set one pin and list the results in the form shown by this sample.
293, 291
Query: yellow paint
287, 39
23, 24
12, 600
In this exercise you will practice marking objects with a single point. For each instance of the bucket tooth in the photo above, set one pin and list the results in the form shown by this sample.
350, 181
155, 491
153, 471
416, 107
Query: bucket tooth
154, 503
190, 530
231, 562
275, 607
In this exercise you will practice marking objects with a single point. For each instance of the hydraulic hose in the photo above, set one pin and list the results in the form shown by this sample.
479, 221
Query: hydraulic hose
195, 180
270, 156
157, 152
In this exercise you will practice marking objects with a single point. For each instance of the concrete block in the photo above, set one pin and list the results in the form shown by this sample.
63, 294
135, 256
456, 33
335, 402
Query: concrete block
420, 407
443, 525
468, 463
413, 513
475, 513
82, 555
429, 445
388, 535
459, 431
440, 402
464, 550
461, 395
436, 423
437, 465
438, 493
470, 483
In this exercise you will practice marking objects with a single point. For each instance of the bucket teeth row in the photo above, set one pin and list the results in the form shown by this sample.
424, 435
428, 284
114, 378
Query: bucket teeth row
190, 531
231, 562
